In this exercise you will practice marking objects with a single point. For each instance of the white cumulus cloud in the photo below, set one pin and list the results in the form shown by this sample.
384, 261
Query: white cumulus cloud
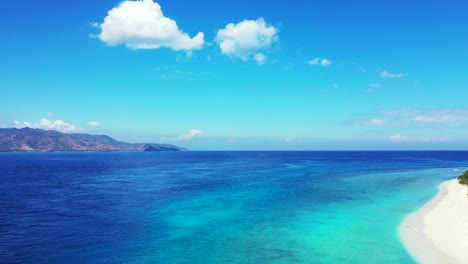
247, 39
320, 62
142, 25
46, 124
388, 75
185, 137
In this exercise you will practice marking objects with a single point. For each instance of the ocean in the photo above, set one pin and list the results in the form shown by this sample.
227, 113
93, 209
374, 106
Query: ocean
214, 207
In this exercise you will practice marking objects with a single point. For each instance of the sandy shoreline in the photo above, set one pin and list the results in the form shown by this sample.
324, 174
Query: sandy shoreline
438, 232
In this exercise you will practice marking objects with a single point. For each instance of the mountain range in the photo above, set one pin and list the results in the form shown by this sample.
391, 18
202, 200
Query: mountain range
39, 140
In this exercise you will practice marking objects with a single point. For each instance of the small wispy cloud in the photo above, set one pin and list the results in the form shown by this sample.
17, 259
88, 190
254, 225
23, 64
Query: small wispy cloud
189, 54
94, 123
260, 58
315, 61
402, 112
444, 116
94, 25
325, 62
420, 117
185, 137
292, 140
288, 67
399, 138
388, 75
231, 140
373, 87
174, 72
320, 62
449, 117
431, 140
376, 122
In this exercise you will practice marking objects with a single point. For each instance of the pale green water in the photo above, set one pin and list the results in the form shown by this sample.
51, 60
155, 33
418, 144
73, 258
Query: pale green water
267, 223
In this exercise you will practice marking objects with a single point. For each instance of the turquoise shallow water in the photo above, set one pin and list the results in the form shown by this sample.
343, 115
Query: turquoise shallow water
214, 207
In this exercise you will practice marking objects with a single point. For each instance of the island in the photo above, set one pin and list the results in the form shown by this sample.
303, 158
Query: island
39, 140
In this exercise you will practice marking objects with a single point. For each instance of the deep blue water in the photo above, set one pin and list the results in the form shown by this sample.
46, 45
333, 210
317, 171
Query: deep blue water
214, 207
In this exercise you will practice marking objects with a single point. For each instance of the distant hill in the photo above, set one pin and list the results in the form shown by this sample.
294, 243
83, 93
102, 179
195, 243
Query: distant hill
29, 139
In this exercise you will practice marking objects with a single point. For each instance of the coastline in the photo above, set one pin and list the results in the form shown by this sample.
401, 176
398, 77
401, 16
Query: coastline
438, 232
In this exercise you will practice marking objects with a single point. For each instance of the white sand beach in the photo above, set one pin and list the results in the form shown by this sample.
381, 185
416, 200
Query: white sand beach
438, 232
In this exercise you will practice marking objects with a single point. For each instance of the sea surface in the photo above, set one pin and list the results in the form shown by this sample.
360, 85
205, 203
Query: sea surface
214, 207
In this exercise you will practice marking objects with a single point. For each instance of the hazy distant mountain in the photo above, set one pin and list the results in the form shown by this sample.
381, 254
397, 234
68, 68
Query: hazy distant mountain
29, 139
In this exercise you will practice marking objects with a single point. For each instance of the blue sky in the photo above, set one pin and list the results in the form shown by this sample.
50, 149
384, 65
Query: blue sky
240, 74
